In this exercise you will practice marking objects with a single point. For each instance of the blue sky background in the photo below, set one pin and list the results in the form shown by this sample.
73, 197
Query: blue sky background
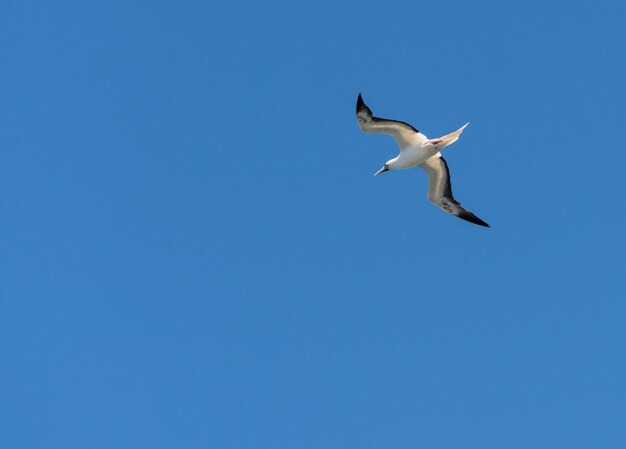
195, 253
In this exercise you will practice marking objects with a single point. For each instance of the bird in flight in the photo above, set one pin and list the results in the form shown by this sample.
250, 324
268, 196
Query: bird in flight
417, 149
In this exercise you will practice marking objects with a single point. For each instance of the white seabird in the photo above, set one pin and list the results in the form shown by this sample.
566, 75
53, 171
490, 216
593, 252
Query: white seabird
417, 149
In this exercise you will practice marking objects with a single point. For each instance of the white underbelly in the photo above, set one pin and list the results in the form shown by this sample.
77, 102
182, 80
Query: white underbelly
411, 157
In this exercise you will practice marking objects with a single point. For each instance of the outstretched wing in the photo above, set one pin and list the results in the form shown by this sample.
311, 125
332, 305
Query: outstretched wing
440, 190
404, 134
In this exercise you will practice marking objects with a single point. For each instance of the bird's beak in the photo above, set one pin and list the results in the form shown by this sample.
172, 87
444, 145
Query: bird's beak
384, 169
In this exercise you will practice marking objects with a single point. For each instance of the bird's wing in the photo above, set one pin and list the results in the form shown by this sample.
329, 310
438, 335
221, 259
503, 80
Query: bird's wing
404, 134
440, 190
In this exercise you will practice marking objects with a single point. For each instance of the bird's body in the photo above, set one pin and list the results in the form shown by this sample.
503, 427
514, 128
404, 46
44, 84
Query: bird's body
418, 150
412, 155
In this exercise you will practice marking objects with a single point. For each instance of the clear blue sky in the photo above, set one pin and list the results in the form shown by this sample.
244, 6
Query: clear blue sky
195, 253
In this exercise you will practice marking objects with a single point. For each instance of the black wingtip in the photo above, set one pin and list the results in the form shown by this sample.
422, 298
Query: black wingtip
359, 103
478, 221
468, 216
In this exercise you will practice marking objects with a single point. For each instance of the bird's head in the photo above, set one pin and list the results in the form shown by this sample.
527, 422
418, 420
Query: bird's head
382, 170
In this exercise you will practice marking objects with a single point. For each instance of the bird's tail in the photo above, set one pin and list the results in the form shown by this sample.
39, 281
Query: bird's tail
441, 142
